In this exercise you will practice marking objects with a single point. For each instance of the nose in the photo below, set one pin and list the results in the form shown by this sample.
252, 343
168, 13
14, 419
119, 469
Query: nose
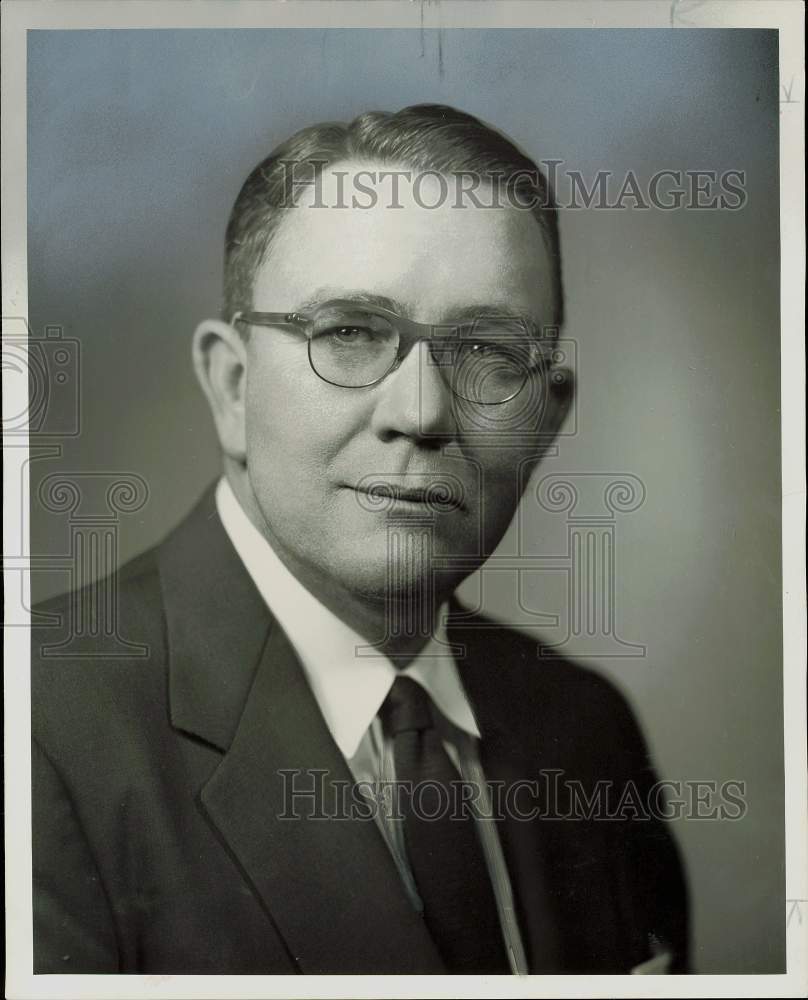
414, 401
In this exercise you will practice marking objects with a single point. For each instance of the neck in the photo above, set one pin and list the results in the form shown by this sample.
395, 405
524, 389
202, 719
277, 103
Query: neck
397, 624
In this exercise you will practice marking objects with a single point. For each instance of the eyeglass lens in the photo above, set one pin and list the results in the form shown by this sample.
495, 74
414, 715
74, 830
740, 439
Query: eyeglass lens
486, 362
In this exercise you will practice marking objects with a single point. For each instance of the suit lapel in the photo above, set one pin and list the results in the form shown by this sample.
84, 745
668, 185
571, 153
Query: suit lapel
216, 624
560, 870
329, 885
505, 754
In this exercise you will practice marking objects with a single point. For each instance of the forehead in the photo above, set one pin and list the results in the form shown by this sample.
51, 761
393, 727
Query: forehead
425, 247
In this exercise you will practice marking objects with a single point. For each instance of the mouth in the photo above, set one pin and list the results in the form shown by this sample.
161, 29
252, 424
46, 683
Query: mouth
439, 496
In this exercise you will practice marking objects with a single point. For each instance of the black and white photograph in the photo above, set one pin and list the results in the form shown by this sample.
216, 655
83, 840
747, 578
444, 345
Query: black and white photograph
404, 499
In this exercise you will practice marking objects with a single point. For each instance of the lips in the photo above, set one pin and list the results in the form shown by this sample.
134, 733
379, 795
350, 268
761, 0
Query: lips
416, 495
439, 495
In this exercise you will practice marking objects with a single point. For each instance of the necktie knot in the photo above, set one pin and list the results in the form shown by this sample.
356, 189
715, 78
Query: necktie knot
406, 707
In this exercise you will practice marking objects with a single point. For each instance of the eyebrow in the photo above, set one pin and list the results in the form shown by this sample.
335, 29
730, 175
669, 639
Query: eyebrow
328, 294
467, 314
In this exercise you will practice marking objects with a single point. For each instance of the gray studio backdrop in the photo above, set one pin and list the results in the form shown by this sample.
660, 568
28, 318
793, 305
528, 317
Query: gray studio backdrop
138, 144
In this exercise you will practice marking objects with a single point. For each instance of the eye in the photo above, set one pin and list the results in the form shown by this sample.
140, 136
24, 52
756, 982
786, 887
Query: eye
487, 350
347, 335
505, 354
521, 355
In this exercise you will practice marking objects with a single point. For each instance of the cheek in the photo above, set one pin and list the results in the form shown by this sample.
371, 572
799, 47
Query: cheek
504, 465
516, 424
273, 396
294, 428
506, 474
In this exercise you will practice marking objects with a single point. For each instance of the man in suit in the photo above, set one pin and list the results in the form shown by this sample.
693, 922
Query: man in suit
381, 382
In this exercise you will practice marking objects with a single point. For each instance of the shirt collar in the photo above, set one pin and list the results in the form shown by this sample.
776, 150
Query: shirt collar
350, 679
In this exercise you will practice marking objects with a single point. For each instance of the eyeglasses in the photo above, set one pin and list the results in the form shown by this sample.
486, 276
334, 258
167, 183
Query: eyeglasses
354, 346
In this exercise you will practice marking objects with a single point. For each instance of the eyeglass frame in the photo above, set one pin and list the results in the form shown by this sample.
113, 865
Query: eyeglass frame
402, 324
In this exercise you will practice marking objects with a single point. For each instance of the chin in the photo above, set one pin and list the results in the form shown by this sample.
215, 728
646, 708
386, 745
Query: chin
380, 578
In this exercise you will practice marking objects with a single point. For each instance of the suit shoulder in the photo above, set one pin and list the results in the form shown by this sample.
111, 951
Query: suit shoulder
101, 645
519, 656
132, 593
566, 673
507, 666
130, 580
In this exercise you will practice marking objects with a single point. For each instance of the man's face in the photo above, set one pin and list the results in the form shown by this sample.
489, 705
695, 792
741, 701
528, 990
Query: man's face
310, 444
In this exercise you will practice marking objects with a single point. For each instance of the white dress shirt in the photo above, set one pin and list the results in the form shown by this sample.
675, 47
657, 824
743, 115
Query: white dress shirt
350, 680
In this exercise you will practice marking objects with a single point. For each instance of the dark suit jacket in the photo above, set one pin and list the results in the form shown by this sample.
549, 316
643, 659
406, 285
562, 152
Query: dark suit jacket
156, 794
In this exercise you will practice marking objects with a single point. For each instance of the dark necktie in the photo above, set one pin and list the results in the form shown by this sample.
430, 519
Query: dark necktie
445, 854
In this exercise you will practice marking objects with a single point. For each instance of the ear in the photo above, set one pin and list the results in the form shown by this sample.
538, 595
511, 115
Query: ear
560, 396
220, 363
559, 400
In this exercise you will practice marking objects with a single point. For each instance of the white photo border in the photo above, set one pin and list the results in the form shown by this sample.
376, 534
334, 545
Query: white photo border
20, 16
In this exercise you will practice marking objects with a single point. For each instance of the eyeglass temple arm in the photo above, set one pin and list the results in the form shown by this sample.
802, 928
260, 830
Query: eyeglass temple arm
267, 318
